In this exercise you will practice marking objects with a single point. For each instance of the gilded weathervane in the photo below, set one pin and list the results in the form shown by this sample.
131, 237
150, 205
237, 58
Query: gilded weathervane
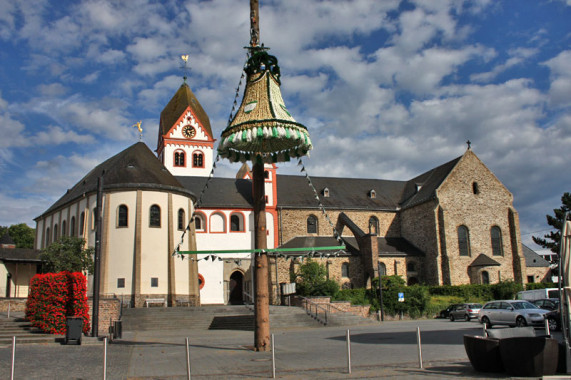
138, 125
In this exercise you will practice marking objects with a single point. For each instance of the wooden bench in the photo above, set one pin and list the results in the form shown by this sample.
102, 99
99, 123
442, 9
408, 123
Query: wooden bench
155, 300
182, 302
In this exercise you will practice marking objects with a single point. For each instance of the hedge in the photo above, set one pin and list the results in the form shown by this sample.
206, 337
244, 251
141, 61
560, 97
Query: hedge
55, 296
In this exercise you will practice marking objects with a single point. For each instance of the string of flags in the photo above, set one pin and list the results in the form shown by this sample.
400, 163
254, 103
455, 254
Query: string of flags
320, 204
301, 256
211, 175
197, 205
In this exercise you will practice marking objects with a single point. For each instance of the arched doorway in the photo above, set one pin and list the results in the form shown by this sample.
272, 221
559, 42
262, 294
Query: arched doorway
236, 286
485, 277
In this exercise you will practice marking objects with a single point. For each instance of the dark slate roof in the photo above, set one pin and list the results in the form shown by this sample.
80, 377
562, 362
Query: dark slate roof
484, 261
388, 247
221, 192
183, 98
344, 193
6, 239
429, 182
310, 242
397, 247
532, 259
136, 167
19, 254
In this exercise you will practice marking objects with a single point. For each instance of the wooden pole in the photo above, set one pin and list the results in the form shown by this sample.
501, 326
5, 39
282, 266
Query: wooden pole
254, 23
262, 304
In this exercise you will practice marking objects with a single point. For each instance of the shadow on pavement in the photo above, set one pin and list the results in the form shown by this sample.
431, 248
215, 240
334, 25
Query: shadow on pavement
409, 337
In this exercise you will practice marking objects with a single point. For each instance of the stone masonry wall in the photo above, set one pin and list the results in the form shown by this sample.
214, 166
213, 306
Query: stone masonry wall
294, 222
473, 197
419, 227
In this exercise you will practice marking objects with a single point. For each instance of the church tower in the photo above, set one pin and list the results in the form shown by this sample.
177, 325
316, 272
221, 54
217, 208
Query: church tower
185, 144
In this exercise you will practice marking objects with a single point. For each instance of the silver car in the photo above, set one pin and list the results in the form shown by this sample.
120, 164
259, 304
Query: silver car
512, 313
464, 311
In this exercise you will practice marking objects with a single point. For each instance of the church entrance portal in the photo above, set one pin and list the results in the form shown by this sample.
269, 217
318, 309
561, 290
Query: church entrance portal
236, 286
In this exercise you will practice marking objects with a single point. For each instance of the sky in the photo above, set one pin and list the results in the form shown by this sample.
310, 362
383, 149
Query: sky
387, 89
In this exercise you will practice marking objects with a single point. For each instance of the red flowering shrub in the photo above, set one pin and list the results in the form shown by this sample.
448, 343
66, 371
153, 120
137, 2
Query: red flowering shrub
55, 296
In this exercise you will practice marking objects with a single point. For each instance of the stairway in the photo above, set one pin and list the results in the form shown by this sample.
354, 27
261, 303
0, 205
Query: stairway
348, 319
23, 331
237, 317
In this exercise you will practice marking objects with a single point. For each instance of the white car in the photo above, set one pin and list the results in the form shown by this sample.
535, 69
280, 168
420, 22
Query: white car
512, 313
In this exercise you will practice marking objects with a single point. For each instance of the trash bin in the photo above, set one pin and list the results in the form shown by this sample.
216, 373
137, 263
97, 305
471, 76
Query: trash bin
74, 331
117, 329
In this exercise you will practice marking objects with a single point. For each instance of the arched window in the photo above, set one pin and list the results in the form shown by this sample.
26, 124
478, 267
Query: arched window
372, 194
179, 158
63, 228
122, 216
155, 216
94, 219
217, 222
197, 160
475, 188
382, 269
48, 236
72, 226
485, 277
345, 270
497, 246
311, 224
82, 224
463, 241
55, 232
326, 192
373, 225
411, 267
236, 223
180, 219
199, 222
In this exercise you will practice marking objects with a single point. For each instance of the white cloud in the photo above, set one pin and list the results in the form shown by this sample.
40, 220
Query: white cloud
56, 136
516, 57
52, 89
560, 90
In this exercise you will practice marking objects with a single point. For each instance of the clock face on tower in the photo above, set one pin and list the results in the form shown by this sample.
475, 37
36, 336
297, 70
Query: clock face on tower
188, 132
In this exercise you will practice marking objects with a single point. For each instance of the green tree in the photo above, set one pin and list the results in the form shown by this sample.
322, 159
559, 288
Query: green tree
23, 235
552, 240
311, 279
67, 254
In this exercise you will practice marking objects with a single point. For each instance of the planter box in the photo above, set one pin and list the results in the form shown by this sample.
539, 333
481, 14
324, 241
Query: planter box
484, 353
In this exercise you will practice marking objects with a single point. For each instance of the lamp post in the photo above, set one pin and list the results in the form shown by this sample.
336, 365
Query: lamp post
264, 132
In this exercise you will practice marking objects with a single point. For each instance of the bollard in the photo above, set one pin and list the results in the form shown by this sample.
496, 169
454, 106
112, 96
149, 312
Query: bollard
485, 331
547, 332
105, 358
8, 309
349, 351
419, 348
273, 358
187, 359
13, 357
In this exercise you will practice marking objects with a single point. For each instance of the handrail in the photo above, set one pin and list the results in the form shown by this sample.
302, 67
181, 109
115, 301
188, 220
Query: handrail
313, 309
247, 297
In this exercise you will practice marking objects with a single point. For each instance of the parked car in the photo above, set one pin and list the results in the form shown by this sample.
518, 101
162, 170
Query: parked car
446, 312
554, 319
512, 313
465, 311
547, 303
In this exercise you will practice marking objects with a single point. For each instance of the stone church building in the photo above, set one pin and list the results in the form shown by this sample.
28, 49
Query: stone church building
454, 224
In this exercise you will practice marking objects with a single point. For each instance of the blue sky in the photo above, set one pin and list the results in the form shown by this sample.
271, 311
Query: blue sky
388, 89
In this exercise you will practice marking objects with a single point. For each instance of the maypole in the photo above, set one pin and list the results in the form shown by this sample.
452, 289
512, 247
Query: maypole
262, 131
